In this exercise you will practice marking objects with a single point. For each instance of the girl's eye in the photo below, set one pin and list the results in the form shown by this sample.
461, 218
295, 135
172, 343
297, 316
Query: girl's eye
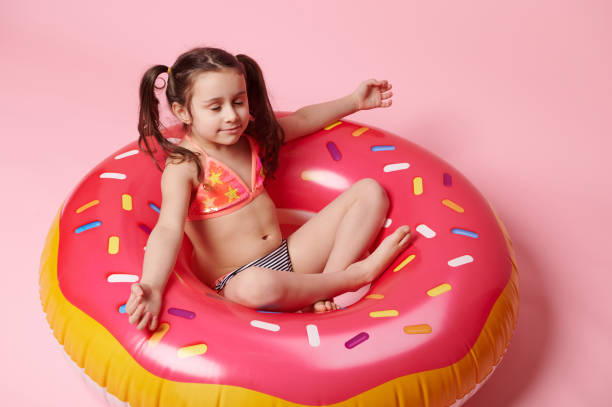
216, 108
239, 102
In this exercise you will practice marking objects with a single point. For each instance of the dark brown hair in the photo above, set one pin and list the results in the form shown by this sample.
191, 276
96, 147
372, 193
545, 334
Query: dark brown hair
264, 127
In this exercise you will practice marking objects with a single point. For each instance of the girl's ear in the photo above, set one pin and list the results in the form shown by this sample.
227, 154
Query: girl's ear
181, 112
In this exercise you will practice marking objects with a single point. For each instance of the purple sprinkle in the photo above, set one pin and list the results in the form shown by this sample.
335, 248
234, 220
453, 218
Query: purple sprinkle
448, 179
183, 313
333, 150
145, 228
356, 340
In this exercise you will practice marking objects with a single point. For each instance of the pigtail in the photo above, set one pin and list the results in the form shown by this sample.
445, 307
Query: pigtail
149, 126
265, 127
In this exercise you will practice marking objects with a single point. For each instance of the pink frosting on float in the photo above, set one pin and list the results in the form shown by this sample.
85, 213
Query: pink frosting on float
348, 351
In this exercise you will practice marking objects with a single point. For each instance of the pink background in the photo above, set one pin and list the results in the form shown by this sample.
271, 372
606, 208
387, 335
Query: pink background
515, 96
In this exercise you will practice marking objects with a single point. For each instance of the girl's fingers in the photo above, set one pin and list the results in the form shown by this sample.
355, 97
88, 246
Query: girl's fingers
386, 95
135, 317
153, 324
145, 320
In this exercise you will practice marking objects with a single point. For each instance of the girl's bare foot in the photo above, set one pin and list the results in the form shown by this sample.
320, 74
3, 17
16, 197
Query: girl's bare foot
324, 306
370, 267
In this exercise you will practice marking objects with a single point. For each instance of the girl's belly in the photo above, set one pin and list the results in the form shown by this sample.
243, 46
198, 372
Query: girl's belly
222, 244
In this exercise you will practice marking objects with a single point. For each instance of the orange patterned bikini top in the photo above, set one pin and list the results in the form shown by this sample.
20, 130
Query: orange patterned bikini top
227, 192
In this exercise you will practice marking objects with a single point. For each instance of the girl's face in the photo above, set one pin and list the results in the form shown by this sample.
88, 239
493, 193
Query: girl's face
219, 107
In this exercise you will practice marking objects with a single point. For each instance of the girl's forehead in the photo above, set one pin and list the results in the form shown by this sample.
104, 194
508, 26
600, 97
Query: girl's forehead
216, 84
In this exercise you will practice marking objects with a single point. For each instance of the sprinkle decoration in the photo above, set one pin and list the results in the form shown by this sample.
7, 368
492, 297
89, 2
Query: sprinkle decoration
87, 206
333, 150
331, 126
183, 313
154, 207
126, 202
126, 154
439, 290
158, 334
313, 335
426, 231
145, 228
460, 261
88, 226
452, 205
113, 175
396, 167
404, 262
447, 179
384, 313
463, 232
417, 329
356, 340
265, 325
122, 278
193, 350
382, 148
113, 245
360, 131
417, 185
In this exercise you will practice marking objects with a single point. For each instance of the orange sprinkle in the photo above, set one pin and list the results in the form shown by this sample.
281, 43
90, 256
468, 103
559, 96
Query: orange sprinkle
452, 205
360, 131
417, 329
88, 205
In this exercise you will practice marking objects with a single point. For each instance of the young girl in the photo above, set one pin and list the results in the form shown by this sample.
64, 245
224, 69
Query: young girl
213, 191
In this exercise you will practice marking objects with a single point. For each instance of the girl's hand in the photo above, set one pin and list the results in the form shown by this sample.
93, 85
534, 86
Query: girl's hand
373, 93
143, 306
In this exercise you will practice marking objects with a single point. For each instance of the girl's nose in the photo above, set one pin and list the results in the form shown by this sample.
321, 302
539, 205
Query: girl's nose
231, 115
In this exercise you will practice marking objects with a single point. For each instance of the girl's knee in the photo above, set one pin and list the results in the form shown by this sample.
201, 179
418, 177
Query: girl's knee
370, 190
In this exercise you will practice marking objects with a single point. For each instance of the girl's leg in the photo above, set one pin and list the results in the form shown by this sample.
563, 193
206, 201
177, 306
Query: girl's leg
340, 233
257, 287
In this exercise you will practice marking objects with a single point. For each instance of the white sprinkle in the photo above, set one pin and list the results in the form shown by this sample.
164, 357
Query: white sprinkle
313, 335
460, 261
388, 222
174, 140
122, 278
265, 325
426, 231
114, 175
396, 167
126, 154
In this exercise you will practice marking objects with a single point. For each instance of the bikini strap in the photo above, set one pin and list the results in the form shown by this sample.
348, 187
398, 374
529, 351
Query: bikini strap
195, 145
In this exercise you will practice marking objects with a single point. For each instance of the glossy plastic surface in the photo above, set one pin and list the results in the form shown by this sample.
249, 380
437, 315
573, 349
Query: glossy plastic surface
427, 312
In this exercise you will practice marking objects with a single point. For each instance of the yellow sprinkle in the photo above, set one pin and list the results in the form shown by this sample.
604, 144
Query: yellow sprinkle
375, 296
360, 131
418, 185
385, 313
417, 329
158, 334
452, 205
192, 350
88, 205
113, 245
126, 202
331, 126
441, 289
404, 262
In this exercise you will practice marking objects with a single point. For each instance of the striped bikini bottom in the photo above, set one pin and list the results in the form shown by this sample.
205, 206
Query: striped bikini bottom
276, 260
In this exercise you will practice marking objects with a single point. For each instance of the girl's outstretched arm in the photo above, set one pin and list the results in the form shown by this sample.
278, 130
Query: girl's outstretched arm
162, 248
368, 95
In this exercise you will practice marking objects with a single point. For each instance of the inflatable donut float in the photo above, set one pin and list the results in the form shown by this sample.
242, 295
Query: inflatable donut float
428, 332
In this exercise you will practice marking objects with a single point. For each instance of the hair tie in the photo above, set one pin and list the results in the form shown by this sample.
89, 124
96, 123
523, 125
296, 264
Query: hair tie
168, 70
